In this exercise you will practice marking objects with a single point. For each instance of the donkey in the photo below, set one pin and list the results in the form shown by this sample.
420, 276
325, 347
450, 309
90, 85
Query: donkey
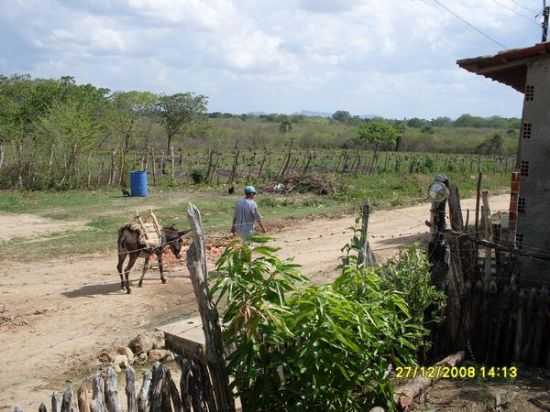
130, 243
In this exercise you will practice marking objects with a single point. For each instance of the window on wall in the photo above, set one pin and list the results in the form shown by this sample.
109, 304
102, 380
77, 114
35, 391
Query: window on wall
519, 240
521, 205
529, 93
524, 168
526, 130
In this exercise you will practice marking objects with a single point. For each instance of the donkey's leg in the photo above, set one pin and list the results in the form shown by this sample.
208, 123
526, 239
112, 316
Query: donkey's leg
161, 267
146, 266
131, 263
119, 266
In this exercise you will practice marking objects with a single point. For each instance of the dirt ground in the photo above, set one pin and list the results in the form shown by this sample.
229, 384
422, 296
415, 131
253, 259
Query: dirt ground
56, 315
26, 226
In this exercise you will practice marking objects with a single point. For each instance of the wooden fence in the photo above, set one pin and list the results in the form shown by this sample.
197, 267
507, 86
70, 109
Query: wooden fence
498, 320
158, 392
110, 168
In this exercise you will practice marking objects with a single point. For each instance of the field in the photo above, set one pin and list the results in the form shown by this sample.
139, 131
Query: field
60, 309
66, 151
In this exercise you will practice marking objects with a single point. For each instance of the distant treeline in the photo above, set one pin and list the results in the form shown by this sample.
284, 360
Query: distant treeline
465, 120
52, 131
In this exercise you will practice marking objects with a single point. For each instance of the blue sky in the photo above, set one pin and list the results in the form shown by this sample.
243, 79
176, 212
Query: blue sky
394, 58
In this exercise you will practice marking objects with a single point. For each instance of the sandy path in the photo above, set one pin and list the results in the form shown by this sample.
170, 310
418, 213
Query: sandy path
56, 315
26, 226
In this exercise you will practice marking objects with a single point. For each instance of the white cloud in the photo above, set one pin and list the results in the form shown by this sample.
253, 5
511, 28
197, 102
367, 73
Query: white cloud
369, 56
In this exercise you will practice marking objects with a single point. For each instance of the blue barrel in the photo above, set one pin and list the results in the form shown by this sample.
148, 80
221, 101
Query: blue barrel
138, 183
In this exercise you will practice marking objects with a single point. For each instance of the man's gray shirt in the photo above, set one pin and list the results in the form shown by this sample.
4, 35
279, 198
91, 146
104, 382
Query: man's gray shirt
246, 215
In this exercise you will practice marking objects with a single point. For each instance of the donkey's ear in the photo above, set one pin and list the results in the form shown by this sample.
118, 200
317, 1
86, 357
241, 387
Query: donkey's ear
183, 233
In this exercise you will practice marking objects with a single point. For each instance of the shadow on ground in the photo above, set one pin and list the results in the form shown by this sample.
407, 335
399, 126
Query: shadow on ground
95, 290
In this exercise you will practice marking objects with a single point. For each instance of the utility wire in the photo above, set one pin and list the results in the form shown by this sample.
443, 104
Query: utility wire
530, 10
531, 19
472, 26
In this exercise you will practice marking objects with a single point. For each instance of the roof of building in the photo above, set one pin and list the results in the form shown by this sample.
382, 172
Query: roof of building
508, 67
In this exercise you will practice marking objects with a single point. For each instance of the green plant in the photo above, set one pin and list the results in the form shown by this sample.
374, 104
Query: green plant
295, 346
410, 275
197, 175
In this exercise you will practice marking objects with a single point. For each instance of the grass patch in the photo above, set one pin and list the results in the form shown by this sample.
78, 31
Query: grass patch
104, 211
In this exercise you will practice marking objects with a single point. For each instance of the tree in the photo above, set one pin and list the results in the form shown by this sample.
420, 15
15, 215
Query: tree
493, 145
341, 116
126, 109
377, 133
70, 130
285, 126
179, 111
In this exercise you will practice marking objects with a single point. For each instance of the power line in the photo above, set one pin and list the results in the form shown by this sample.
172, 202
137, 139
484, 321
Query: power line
531, 19
524, 7
472, 26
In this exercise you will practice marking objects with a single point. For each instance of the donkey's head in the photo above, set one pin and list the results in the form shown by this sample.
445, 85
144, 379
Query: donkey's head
174, 239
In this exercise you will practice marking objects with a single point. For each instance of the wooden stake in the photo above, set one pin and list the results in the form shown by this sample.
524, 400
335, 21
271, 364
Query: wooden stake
196, 263
478, 195
131, 402
366, 256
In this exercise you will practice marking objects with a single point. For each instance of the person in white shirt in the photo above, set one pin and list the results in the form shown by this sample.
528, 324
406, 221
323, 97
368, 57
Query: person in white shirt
247, 215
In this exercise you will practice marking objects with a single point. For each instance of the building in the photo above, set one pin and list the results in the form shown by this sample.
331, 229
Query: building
528, 71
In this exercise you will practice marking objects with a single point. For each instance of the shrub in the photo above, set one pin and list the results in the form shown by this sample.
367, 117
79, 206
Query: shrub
299, 346
197, 176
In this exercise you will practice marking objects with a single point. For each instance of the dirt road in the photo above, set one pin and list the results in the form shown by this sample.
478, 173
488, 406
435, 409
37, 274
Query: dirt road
55, 316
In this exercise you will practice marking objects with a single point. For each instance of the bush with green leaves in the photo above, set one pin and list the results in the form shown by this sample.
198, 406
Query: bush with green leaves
296, 346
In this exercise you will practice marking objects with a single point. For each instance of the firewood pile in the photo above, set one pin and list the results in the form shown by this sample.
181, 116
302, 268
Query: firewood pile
316, 184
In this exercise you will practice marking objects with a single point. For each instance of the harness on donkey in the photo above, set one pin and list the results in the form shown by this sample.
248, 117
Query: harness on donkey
144, 237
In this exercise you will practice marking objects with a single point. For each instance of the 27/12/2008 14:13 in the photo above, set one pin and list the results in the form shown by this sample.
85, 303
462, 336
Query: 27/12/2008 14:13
457, 372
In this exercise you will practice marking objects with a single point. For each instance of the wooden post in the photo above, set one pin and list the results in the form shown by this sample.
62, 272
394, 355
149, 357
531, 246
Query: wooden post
98, 398
84, 397
130, 390
55, 402
455, 210
157, 388
196, 263
478, 195
172, 165
235, 166
143, 398
66, 403
111, 391
42, 408
153, 166
366, 256
485, 216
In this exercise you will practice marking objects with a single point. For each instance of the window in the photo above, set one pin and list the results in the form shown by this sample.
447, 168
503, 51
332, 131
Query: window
521, 205
526, 130
529, 93
524, 168
519, 240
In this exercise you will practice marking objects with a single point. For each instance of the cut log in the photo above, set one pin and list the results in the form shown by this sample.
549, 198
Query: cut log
404, 395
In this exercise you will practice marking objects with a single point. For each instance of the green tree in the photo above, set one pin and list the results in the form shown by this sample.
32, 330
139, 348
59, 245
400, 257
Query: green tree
67, 132
377, 133
493, 145
285, 126
341, 116
179, 111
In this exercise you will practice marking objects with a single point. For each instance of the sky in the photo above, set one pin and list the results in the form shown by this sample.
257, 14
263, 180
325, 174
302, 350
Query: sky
393, 58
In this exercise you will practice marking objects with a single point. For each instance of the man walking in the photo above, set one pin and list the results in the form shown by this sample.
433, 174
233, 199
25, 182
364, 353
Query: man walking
246, 215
